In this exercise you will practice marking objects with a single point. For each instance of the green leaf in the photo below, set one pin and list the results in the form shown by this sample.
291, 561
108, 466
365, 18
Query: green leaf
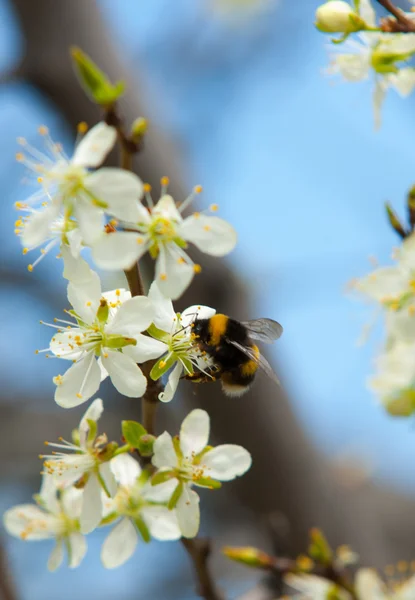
132, 432
162, 476
142, 528
175, 496
94, 81
93, 428
394, 221
319, 548
158, 334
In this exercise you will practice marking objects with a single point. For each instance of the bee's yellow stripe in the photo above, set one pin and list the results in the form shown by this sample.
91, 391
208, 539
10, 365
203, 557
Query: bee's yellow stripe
250, 367
217, 327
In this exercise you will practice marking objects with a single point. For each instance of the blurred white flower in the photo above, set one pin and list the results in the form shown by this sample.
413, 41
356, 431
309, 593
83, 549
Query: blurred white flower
369, 586
108, 327
337, 16
142, 509
68, 185
191, 462
88, 460
394, 382
178, 353
312, 587
377, 54
162, 231
56, 516
393, 290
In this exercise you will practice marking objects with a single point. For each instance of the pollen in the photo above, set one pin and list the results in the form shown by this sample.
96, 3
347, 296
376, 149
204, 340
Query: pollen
139, 240
196, 215
105, 354
164, 181
30, 268
198, 189
19, 156
40, 179
147, 187
18, 223
197, 268
82, 127
162, 364
163, 276
117, 292
89, 303
43, 130
214, 207
181, 261
114, 222
36, 351
25, 250
78, 395
206, 228
19, 205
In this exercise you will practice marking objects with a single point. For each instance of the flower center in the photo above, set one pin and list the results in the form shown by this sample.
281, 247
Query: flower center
162, 229
127, 502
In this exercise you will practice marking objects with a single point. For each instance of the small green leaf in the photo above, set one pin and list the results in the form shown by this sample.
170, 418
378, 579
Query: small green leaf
142, 528
394, 221
93, 428
208, 482
158, 334
132, 432
249, 556
139, 129
162, 476
319, 548
175, 496
145, 444
94, 81
162, 366
103, 311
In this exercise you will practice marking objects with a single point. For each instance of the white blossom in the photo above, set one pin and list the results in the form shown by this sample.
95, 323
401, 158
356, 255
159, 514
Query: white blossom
179, 354
392, 289
376, 54
394, 382
88, 461
141, 508
369, 586
190, 462
164, 233
312, 587
56, 516
108, 326
70, 190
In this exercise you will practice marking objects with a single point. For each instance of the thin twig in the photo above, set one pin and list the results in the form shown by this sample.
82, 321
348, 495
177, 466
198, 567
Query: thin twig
7, 588
199, 551
403, 23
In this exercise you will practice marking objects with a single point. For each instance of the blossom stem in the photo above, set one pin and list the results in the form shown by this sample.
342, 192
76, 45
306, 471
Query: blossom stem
403, 24
199, 551
7, 588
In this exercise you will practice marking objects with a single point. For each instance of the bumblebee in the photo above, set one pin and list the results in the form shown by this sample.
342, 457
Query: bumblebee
230, 346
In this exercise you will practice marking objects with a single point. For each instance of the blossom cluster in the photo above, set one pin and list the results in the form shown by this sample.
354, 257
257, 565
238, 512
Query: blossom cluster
91, 481
392, 290
368, 49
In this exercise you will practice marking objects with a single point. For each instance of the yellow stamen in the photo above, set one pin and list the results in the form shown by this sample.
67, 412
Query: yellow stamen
30, 268
163, 276
147, 187
78, 395
206, 228
165, 181
19, 156
82, 127
139, 240
197, 268
40, 179
43, 130
198, 189
214, 207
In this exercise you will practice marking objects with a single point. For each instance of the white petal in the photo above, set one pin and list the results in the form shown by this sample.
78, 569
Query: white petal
160, 493
91, 505
119, 250
94, 146
196, 312
172, 383
93, 413
75, 241
125, 468
62, 345
188, 512
121, 190
132, 317
161, 522
84, 374
126, 375
76, 270
314, 587
164, 311
37, 228
119, 545
403, 81
382, 283
194, 432
367, 13
173, 275
147, 348
71, 499
17, 521
164, 452
108, 477
78, 548
379, 95
407, 591
369, 586
227, 462
166, 207
48, 494
90, 220
56, 556
85, 297
211, 235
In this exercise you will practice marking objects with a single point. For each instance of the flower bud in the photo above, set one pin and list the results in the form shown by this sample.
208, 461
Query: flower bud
139, 128
337, 16
247, 555
145, 444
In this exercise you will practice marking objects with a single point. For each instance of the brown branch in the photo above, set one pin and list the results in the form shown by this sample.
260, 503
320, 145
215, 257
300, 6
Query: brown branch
402, 24
7, 588
199, 550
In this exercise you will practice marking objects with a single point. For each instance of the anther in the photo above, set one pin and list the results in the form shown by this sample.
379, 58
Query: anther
164, 181
206, 228
197, 268
43, 130
196, 215
30, 268
19, 156
198, 189
214, 207
163, 276
78, 395
18, 223
147, 187
139, 240
82, 127
162, 364
88, 303
25, 250
40, 179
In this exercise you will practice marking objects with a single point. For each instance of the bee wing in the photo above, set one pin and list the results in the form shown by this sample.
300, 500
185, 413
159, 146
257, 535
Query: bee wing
264, 330
260, 360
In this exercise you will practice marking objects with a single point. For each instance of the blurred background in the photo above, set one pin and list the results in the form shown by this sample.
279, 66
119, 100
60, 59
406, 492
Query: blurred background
237, 101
